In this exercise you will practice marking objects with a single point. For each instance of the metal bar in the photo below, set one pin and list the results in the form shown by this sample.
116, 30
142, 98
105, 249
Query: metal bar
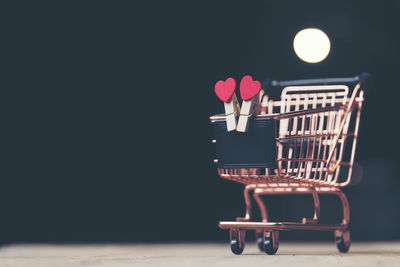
270, 226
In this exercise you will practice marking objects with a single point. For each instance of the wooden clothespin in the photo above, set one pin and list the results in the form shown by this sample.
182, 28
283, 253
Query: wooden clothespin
225, 90
249, 91
261, 108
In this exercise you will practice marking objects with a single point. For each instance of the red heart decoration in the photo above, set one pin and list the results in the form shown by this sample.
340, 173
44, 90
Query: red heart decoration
249, 88
225, 89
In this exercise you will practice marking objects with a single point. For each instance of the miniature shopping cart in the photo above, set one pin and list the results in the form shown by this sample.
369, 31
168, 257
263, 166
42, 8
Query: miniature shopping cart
303, 143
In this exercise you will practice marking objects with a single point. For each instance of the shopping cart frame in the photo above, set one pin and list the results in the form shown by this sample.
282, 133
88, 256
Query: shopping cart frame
292, 174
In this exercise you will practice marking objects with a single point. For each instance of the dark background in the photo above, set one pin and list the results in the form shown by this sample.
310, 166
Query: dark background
105, 107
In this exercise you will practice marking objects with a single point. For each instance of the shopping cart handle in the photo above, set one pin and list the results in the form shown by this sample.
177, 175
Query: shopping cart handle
363, 79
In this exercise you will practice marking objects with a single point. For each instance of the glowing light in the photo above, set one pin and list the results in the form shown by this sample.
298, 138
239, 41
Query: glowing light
311, 45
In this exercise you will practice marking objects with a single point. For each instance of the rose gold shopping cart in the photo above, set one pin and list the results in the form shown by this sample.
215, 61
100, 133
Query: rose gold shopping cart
302, 144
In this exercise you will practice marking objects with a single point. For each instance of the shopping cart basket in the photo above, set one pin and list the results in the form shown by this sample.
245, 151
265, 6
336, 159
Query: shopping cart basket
303, 143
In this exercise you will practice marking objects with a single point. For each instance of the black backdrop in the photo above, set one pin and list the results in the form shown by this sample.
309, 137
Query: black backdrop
105, 110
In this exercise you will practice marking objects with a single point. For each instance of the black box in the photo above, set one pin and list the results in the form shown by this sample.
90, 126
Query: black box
254, 149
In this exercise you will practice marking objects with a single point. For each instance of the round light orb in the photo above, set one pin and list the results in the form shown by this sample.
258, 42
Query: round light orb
311, 45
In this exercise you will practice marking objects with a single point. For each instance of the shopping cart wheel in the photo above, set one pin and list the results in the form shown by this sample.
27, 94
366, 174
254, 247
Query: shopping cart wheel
343, 240
260, 240
237, 241
271, 242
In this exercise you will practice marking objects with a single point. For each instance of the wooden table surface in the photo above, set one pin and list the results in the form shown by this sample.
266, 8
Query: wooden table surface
198, 254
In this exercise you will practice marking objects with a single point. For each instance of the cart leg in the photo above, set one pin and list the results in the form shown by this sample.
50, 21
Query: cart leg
316, 207
345, 205
247, 200
261, 205
343, 200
